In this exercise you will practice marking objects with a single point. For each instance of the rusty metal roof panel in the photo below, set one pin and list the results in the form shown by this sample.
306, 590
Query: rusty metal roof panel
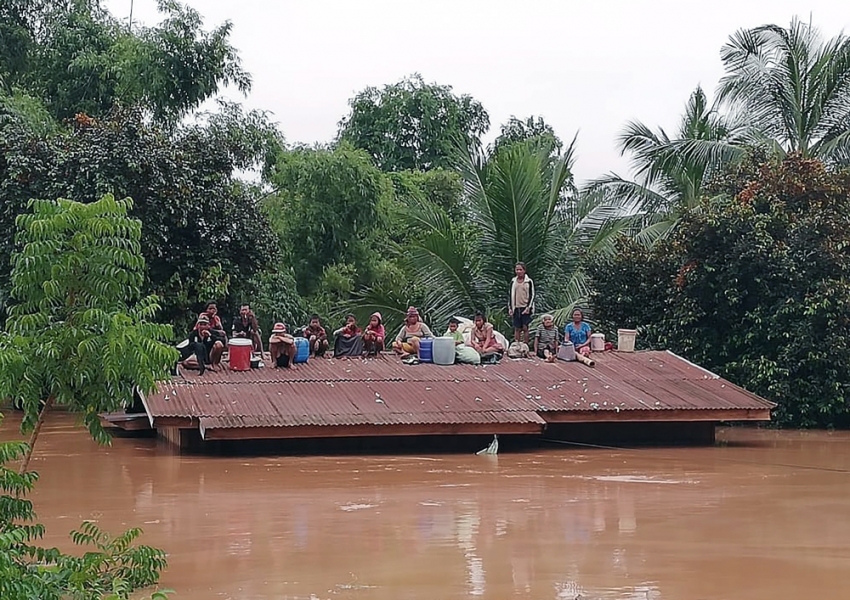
231, 422
383, 390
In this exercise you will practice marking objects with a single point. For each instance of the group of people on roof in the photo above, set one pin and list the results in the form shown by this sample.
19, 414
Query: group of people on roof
207, 341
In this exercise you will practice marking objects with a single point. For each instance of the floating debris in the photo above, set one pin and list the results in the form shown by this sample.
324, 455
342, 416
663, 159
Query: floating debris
493, 448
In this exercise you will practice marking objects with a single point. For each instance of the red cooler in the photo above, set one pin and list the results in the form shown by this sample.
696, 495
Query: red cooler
240, 354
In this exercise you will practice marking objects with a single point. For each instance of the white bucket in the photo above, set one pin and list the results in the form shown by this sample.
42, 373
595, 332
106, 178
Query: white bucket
443, 350
626, 340
566, 351
597, 342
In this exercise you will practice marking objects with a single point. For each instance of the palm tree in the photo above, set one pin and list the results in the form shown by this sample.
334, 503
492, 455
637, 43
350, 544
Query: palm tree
793, 87
522, 206
668, 175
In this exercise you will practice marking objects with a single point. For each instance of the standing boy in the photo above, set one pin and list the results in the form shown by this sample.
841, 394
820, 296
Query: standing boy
521, 303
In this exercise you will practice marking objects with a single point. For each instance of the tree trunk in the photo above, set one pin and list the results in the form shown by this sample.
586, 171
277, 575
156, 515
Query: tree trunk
34, 434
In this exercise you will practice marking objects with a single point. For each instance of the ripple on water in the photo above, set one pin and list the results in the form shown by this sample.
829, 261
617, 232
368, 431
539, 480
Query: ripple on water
350, 507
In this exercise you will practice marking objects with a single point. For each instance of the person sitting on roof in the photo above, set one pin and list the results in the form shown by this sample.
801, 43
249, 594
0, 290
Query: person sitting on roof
317, 336
282, 347
546, 340
348, 339
373, 337
454, 333
579, 332
215, 340
482, 338
194, 345
246, 326
407, 341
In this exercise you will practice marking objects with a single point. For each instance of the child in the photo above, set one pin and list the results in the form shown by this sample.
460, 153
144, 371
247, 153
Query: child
454, 333
347, 339
482, 338
317, 336
546, 340
373, 337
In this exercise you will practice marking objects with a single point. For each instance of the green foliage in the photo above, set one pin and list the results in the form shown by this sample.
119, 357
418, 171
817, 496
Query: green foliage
521, 205
196, 217
441, 187
79, 330
80, 59
111, 568
754, 287
325, 211
411, 125
793, 88
534, 130
273, 297
19, 106
174, 67
670, 176
630, 289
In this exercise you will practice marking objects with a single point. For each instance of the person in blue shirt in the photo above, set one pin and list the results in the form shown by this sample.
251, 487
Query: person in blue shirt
578, 332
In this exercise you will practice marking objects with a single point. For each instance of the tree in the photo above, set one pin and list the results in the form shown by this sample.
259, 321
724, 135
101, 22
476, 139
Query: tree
111, 568
754, 287
792, 87
198, 220
517, 130
325, 211
411, 125
523, 206
80, 334
79, 59
669, 181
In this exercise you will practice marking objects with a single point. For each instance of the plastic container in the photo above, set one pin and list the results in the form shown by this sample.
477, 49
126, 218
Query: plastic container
426, 346
444, 350
597, 342
626, 340
239, 350
302, 350
567, 351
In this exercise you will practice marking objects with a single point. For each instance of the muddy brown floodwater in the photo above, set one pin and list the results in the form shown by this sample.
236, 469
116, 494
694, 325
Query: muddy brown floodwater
743, 520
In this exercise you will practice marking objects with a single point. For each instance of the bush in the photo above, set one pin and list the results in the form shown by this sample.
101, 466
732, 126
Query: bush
755, 287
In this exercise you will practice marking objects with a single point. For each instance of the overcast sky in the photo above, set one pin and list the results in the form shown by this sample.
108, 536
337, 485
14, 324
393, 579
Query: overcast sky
584, 66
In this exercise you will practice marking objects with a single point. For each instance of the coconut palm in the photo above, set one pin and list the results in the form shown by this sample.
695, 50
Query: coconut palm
522, 206
668, 175
792, 86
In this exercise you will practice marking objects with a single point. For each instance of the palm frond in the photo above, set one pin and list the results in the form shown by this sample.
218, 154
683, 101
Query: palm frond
792, 86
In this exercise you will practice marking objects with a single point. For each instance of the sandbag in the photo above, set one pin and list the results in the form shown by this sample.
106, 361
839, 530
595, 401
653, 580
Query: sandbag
467, 355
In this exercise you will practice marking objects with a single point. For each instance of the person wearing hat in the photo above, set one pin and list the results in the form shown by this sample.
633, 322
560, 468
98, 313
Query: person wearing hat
373, 337
413, 330
195, 345
282, 347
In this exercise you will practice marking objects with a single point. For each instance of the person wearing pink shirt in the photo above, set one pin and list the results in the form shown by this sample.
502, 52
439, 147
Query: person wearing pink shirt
373, 336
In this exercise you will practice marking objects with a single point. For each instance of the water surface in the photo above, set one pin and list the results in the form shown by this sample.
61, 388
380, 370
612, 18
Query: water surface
744, 520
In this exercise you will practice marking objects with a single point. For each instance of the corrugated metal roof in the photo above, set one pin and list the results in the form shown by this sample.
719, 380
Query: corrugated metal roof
384, 391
